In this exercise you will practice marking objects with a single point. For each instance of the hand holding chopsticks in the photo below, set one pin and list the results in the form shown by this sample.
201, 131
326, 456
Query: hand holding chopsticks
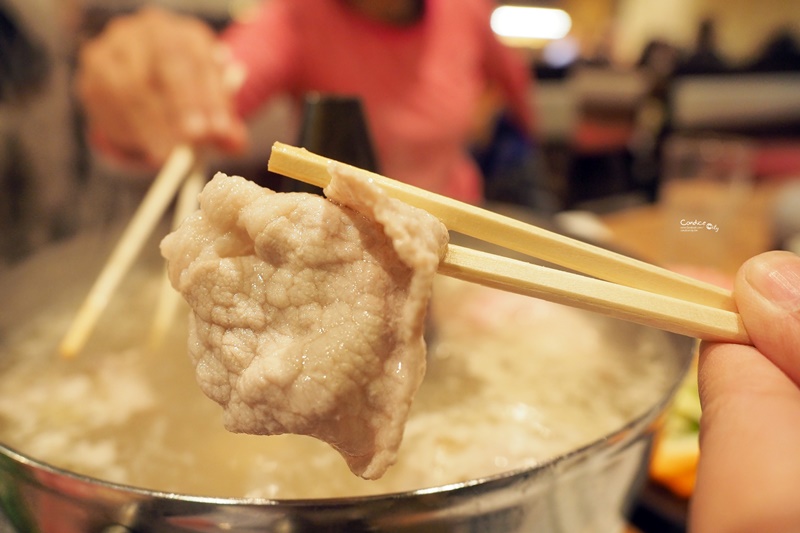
627, 288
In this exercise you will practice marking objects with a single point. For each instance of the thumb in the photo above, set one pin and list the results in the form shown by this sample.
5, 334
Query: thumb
749, 469
768, 295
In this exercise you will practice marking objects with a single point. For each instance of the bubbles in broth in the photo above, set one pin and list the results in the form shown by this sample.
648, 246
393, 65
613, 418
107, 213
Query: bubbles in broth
511, 382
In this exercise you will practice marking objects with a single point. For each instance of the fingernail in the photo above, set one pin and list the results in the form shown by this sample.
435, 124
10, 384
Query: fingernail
234, 76
195, 124
777, 278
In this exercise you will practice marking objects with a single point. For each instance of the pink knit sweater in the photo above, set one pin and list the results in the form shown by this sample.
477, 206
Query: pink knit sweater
420, 84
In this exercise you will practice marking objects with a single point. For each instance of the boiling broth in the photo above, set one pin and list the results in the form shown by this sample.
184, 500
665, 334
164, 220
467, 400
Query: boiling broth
511, 382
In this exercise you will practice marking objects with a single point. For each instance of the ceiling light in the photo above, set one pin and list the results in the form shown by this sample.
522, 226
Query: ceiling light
531, 23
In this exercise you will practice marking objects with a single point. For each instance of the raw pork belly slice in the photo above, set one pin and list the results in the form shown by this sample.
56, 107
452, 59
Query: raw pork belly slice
308, 313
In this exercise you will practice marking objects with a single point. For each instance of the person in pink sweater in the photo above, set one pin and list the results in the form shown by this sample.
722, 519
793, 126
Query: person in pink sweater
422, 68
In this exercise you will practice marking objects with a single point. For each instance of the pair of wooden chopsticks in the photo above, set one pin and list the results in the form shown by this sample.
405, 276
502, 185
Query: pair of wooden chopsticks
183, 169
619, 286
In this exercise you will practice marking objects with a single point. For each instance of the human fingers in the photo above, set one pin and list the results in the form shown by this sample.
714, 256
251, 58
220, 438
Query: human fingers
136, 84
113, 84
194, 74
768, 295
749, 471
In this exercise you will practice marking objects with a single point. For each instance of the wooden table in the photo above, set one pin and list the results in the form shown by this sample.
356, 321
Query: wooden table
644, 231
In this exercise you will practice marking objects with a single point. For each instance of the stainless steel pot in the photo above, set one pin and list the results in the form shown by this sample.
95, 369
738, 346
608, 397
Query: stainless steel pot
587, 489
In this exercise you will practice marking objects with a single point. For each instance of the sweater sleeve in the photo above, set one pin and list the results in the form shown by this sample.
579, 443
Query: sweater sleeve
265, 44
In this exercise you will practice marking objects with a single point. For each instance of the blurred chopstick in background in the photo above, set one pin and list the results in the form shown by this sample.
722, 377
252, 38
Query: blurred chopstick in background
170, 299
155, 203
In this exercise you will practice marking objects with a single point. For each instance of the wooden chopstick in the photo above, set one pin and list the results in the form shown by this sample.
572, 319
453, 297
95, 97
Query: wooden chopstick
144, 221
664, 297
618, 301
169, 299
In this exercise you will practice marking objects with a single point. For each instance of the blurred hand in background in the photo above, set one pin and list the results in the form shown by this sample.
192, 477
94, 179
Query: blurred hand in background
154, 79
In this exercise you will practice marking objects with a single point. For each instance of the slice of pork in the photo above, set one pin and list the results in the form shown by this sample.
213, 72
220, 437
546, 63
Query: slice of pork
308, 313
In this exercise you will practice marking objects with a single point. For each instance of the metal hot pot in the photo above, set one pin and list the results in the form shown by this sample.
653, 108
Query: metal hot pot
590, 488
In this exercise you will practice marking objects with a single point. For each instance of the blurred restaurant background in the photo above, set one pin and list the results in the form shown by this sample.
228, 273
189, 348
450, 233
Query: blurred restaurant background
615, 79
627, 95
